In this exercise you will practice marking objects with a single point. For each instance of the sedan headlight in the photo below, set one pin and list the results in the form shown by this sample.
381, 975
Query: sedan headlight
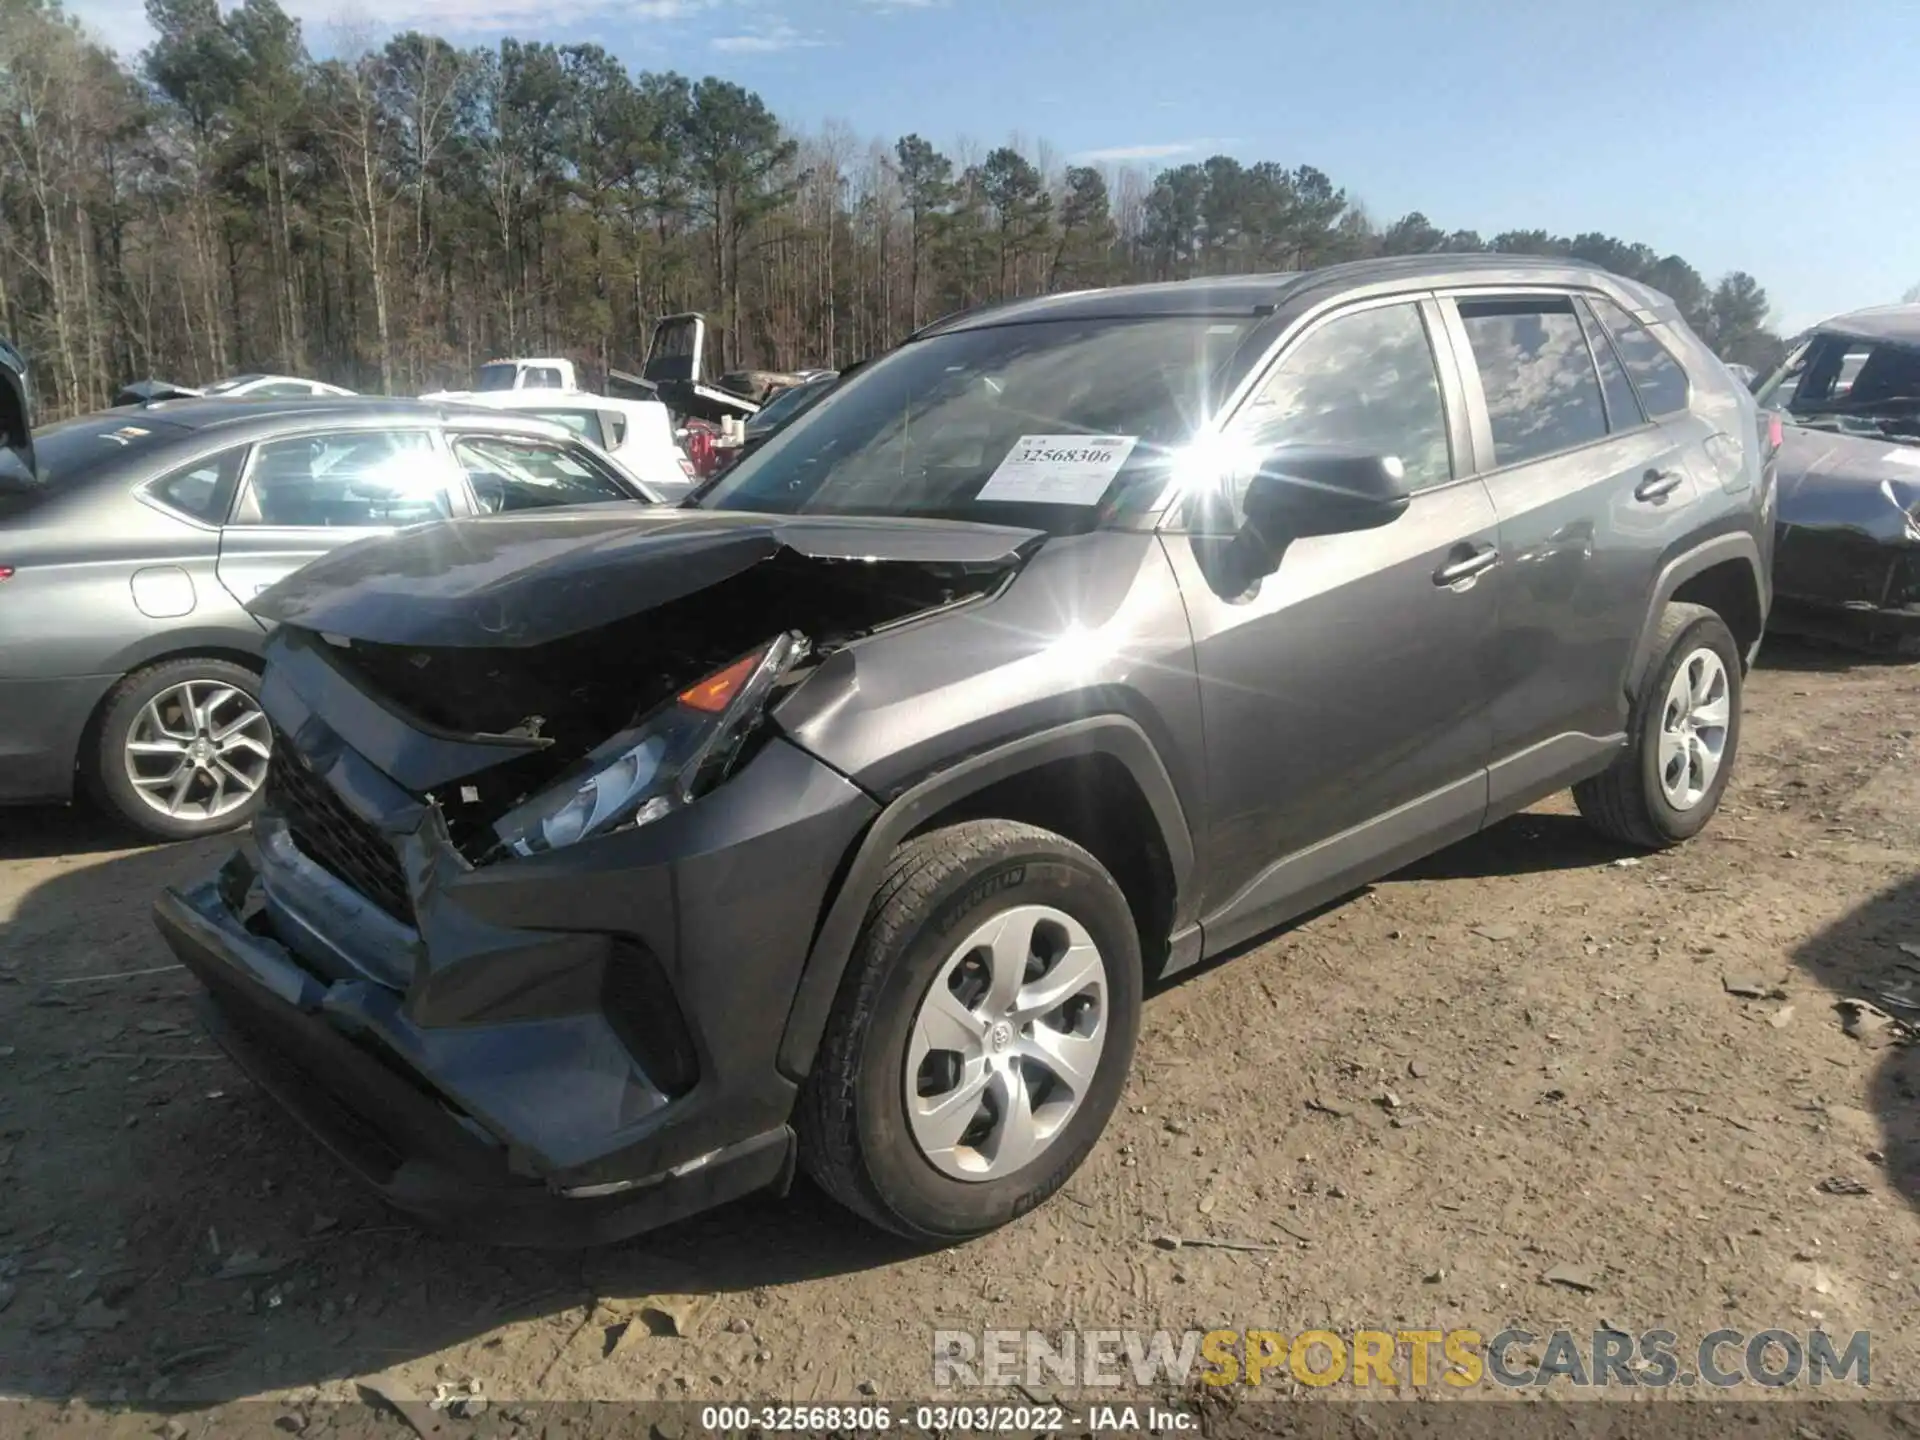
665, 761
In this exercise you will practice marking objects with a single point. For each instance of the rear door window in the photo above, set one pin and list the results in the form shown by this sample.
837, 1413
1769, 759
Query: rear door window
1542, 391
1623, 408
1660, 379
355, 479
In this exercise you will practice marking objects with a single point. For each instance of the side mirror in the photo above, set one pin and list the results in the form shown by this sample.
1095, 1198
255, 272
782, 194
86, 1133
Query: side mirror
1303, 490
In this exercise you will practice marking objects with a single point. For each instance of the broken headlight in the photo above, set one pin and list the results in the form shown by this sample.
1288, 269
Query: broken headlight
665, 761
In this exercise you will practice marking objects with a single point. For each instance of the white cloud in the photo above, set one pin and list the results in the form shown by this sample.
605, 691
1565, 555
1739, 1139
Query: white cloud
123, 23
1164, 150
766, 40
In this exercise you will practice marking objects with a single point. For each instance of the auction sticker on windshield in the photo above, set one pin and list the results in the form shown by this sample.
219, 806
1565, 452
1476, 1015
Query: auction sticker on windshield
1059, 469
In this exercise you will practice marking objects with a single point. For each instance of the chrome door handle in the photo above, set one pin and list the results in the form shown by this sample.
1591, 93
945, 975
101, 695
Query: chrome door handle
1479, 562
1657, 485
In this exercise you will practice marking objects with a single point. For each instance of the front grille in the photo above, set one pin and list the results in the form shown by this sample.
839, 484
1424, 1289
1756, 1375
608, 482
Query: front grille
333, 837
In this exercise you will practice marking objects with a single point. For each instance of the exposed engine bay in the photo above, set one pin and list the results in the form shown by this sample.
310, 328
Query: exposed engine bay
571, 694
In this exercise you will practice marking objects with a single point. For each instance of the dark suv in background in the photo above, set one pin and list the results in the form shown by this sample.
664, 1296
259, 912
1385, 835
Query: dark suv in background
615, 863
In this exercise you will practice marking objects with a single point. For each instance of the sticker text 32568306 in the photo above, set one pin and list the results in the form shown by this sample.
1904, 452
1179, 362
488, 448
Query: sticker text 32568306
1059, 469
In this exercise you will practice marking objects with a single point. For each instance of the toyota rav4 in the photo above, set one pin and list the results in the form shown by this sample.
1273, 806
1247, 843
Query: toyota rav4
617, 864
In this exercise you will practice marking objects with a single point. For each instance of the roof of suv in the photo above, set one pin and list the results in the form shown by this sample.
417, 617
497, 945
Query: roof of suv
1898, 323
1225, 295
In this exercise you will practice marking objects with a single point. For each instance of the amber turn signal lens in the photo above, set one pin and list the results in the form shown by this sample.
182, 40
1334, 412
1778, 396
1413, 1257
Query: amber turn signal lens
716, 692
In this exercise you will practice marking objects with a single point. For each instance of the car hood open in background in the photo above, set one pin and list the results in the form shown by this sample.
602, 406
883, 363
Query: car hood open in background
1849, 482
526, 581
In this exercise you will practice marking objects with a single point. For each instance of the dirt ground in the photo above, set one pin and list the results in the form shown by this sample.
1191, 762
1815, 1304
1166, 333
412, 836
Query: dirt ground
1524, 1053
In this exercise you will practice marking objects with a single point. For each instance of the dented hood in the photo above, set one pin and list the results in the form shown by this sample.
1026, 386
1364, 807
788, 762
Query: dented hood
1850, 482
528, 580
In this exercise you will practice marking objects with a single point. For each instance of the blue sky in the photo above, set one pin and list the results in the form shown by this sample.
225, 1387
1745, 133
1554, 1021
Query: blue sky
1758, 135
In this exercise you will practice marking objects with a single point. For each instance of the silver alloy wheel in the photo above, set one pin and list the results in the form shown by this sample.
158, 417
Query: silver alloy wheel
198, 750
1006, 1043
1693, 728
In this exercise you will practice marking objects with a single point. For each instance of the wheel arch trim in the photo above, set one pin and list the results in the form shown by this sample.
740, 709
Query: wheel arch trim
1739, 546
1114, 736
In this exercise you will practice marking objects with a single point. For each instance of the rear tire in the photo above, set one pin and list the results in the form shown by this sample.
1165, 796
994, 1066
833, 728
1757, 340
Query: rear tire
942, 1105
193, 734
1666, 785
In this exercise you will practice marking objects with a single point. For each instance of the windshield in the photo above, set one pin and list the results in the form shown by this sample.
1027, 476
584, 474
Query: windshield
1055, 424
495, 377
1840, 381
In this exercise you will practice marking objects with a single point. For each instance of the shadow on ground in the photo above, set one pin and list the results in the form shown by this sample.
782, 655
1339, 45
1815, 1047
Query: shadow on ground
1527, 844
169, 1233
1805, 655
1859, 957
1523, 845
40, 832
171, 1237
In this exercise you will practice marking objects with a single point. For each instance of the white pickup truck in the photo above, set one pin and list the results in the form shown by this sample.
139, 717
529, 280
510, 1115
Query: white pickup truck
541, 374
638, 434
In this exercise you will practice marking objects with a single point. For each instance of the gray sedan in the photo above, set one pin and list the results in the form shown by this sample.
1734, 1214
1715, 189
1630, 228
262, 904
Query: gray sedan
128, 661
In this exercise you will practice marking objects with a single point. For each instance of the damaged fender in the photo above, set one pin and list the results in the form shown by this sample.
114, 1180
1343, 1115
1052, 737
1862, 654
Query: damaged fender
1866, 487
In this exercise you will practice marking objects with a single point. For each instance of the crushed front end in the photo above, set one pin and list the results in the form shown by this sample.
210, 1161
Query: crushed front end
1846, 561
521, 926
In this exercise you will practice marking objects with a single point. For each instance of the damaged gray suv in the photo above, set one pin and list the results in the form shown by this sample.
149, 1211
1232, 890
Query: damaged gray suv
616, 865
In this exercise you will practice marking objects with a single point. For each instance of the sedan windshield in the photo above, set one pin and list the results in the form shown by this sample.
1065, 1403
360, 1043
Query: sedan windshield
1053, 424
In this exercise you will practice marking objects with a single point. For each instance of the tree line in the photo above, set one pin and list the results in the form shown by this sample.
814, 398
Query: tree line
390, 217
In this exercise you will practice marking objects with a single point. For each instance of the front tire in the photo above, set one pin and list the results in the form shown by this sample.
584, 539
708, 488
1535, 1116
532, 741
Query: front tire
181, 749
982, 1034
1685, 734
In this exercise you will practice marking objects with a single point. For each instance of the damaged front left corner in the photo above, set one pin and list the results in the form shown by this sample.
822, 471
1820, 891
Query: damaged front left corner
668, 759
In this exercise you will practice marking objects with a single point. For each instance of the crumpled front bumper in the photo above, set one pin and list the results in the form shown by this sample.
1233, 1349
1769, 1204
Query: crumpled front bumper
308, 1045
556, 1050
1842, 584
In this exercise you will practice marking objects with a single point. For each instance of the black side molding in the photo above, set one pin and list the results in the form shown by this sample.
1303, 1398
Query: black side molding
1738, 545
